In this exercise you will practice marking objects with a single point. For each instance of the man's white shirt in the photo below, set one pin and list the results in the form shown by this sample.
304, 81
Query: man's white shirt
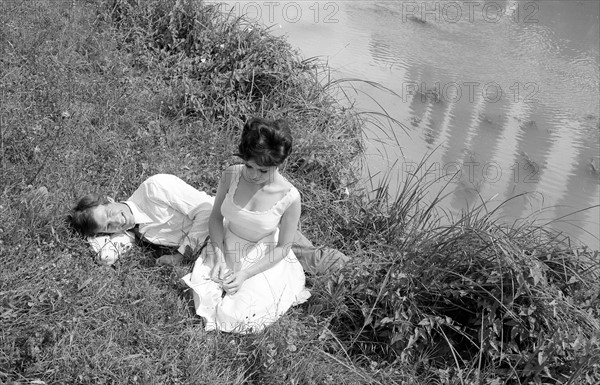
168, 212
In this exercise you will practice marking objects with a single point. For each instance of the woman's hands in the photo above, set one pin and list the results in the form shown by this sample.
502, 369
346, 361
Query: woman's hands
220, 273
234, 281
230, 282
216, 262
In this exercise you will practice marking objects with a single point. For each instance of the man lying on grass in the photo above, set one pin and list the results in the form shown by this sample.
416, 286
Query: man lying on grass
171, 215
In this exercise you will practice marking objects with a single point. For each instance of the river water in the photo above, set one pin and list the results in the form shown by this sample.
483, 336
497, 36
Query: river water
504, 95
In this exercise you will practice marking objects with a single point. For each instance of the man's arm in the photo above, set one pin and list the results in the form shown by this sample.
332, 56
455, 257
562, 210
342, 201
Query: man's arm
170, 191
197, 206
109, 248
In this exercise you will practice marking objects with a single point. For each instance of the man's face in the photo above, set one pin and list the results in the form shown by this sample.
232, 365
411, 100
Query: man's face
112, 217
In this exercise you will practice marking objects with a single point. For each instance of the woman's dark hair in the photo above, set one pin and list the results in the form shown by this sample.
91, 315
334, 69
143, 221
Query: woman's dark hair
81, 219
266, 142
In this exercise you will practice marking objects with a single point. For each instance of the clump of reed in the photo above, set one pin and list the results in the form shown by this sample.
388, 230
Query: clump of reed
467, 298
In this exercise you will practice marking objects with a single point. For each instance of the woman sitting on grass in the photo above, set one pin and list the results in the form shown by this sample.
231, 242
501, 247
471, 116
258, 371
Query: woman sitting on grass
249, 276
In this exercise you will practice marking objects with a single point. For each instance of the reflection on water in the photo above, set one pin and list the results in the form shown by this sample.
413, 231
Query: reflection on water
504, 93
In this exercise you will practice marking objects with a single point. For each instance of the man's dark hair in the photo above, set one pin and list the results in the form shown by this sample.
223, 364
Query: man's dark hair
266, 142
81, 219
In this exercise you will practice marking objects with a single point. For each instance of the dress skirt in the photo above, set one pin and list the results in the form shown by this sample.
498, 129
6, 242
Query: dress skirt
261, 299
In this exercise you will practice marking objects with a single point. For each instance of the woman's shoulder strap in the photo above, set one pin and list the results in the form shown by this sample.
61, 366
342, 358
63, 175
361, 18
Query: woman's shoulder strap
290, 197
233, 174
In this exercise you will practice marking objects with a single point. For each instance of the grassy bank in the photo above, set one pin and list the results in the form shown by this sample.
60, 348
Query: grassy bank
97, 96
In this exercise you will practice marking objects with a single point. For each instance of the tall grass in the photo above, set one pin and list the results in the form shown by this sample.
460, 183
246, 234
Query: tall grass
468, 300
97, 96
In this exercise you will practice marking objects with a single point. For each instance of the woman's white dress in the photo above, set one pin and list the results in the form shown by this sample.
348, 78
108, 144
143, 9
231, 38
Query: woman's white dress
263, 298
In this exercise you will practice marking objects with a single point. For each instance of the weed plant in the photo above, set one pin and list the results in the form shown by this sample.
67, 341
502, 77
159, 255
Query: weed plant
99, 95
